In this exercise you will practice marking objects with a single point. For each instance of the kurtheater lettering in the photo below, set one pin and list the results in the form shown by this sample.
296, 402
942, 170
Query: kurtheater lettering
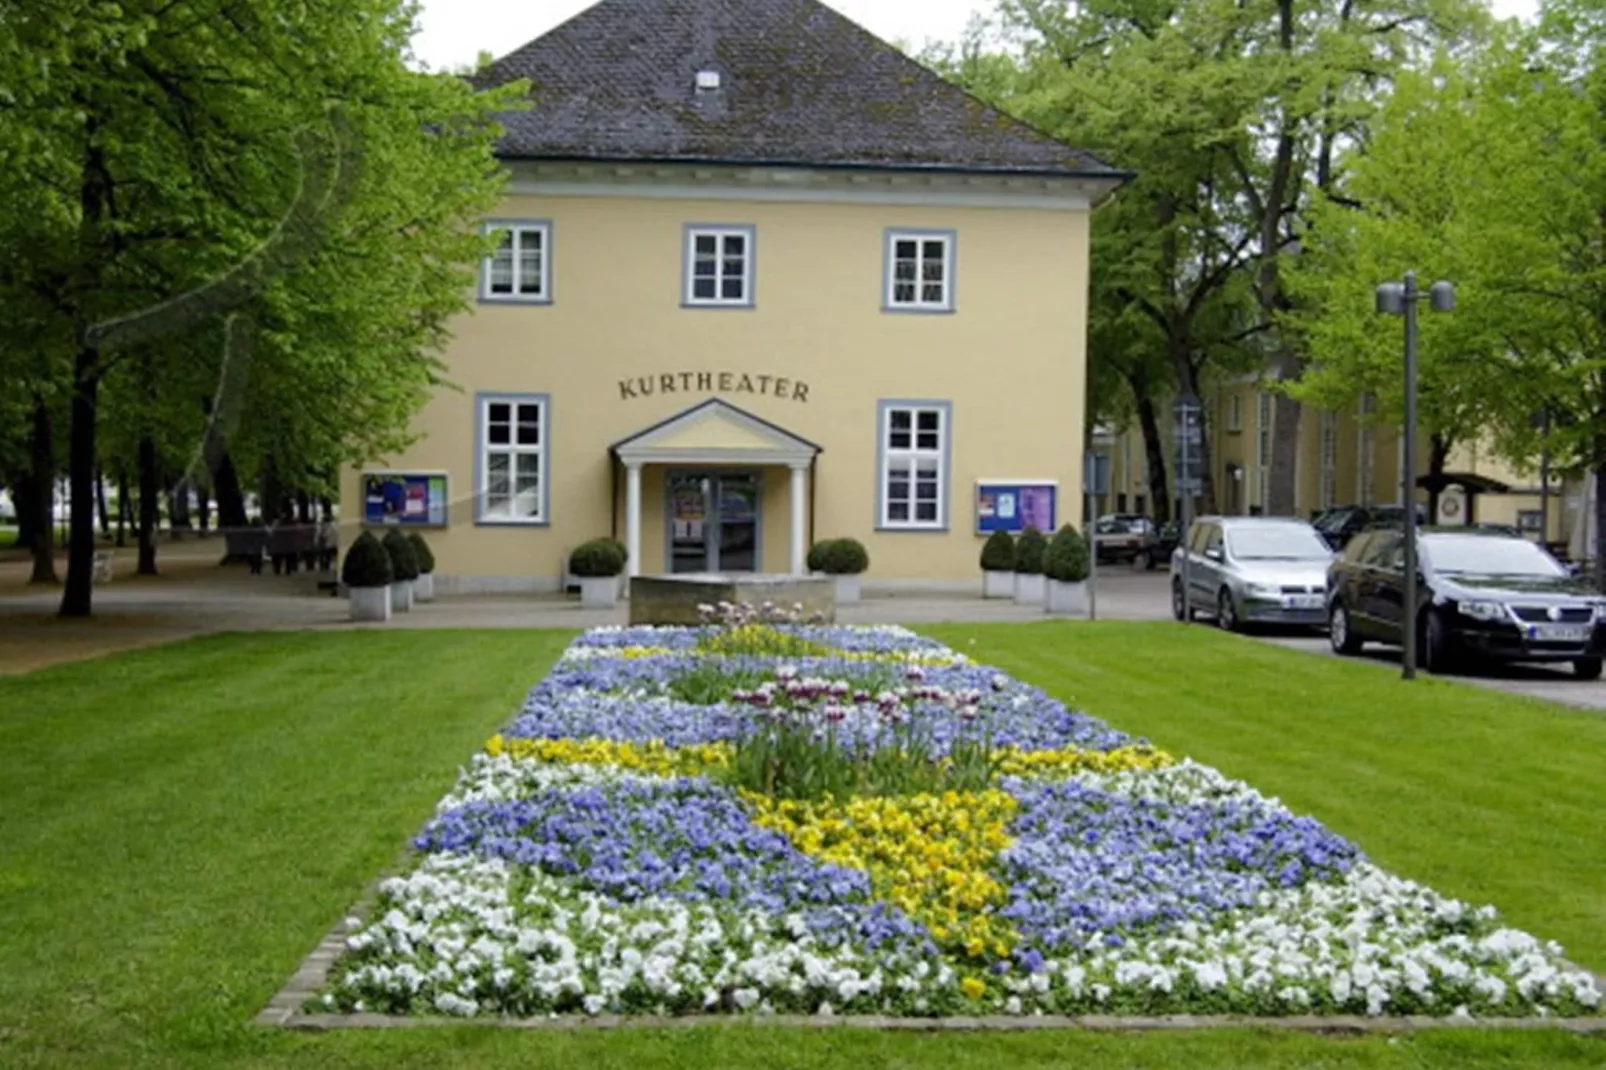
775, 386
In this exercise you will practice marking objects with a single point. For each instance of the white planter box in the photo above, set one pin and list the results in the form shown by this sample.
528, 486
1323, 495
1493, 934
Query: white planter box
599, 592
996, 584
847, 590
424, 587
369, 603
1066, 597
401, 596
1029, 588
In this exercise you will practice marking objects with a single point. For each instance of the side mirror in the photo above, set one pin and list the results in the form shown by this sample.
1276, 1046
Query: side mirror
1213, 554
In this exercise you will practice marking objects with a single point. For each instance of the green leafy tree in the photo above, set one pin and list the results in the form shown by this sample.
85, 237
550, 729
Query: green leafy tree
179, 161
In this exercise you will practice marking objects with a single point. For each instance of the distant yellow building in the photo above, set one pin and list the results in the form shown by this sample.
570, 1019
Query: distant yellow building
1345, 458
762, 279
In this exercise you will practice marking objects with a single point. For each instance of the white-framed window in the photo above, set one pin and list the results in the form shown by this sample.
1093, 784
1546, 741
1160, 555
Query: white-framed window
1263, 449
1365, 461
719, 266
1235, 412
1329, 453
520, 268
915, 437
920, 271
512, 432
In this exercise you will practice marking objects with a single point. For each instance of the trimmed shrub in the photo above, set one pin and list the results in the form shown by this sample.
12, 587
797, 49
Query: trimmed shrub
843, 557
366, 564
597, 558
816, 558
403, 562
998, 553
422, 552
1029, 550
1066, 557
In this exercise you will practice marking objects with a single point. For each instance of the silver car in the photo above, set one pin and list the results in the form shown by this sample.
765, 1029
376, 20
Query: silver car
1251, 570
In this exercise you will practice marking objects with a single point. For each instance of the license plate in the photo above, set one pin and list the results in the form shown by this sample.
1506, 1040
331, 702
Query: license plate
1303, 601
1559, 633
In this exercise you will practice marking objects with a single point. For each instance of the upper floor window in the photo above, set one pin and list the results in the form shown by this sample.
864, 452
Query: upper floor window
521, 267
512, 462
915, 440
920, 271
1235, 412
719, 266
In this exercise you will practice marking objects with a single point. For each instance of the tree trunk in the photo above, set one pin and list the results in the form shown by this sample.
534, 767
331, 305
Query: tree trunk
230, 499
77, 598
1202, 462
1600, 518
178, 508
122, 507
147, 506
203, 506
1283, 485
41, 498
303, 507
100, 505
1154, 451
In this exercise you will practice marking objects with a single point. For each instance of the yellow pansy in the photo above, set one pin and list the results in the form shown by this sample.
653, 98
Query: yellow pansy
652, 758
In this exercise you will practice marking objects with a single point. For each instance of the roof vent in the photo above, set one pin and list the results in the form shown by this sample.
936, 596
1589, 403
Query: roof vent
707, 81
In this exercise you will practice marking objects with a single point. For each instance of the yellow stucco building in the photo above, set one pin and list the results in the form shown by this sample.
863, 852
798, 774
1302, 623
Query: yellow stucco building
1345, 458
761, 280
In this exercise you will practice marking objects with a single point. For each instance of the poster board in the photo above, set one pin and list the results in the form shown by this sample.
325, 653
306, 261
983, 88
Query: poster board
406, 499
1014, 504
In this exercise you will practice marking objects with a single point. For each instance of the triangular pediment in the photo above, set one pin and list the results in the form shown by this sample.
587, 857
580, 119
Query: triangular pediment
712, 433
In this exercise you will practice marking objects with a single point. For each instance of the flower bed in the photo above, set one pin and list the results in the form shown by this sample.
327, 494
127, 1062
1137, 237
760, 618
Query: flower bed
831, 820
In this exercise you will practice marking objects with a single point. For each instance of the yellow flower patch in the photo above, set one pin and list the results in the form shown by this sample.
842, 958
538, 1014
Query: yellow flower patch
1012, 761
652, 758
926, 854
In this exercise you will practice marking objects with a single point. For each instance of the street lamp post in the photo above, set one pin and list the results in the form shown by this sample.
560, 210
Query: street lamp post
1399, 299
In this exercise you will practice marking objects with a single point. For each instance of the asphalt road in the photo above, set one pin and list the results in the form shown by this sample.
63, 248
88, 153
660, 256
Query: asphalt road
1130, 594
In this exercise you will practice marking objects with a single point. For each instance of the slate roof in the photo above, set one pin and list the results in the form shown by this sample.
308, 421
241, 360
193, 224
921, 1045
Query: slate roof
800, 84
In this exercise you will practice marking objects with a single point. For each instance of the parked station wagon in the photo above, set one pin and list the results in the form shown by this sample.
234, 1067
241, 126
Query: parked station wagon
1247, 570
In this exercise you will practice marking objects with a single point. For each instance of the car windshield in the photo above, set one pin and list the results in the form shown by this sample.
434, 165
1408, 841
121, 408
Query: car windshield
1277, 542
1333, 519
1488, 555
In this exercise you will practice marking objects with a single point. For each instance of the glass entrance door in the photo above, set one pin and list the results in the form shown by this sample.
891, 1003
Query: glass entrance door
713, 522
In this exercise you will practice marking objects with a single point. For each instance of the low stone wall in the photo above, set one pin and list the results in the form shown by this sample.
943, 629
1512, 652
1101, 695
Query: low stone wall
674, 599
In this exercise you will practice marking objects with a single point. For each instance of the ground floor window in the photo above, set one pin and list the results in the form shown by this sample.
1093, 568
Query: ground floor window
512, 462
915, 441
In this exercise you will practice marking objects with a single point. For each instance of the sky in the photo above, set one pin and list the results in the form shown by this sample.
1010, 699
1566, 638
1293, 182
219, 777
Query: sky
453, 32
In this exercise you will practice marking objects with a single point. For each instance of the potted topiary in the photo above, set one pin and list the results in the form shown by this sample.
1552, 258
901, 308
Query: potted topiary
403, 570
367, 576
998, 566
424, 585
1029, 567
1065, 564
844, 560
598, 565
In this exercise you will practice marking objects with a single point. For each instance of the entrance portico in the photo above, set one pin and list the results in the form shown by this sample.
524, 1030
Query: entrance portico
714, 457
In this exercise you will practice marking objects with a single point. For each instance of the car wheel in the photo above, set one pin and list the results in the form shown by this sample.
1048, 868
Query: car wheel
1340, 632
1437, 654
1587, 668
1226, 612
1177, 609
1151, 561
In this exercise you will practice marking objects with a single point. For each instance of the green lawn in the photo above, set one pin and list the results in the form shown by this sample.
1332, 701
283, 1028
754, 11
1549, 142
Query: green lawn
179, 826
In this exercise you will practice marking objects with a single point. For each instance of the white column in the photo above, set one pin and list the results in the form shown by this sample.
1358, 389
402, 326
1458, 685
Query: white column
799, 490
633, 517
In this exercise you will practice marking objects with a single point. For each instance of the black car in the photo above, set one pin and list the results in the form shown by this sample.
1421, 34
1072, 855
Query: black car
1342, 523
1158, 545
1483, 595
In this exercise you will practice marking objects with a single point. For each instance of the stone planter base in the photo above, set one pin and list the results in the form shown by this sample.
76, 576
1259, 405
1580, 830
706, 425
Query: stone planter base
1029, 588
1066, 598
401, 596
674, 599
997, 584
369, 603
599, 592
424, 587
847, 590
